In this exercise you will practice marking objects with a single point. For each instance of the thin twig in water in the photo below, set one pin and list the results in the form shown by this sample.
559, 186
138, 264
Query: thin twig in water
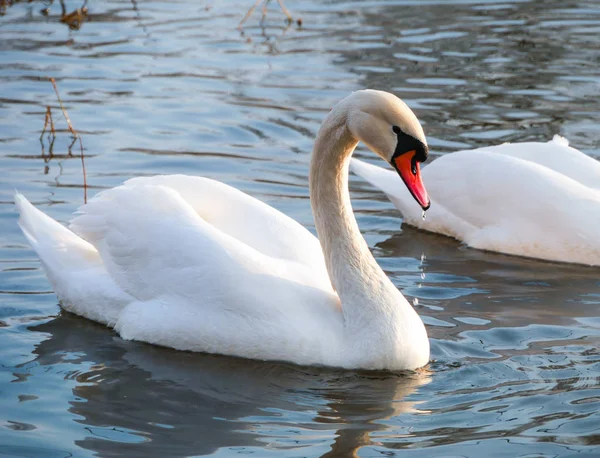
248, 14
51, 136
48, 120
285, 11
50, 151
76, 136
289, 18
53, 81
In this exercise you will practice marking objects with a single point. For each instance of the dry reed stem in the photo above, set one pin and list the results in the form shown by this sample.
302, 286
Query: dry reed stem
248, 14
48, 120
264, 12
76, 136
50, 151
51, 135
285, 10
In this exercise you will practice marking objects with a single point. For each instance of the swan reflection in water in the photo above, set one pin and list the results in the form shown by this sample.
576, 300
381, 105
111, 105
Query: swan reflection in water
503, 290
175, 403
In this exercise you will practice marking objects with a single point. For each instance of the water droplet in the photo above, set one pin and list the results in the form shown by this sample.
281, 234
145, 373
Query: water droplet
423, 257
422, 275
415, 301
423, 215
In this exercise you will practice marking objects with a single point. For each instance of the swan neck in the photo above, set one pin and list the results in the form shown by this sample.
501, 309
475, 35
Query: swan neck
353, 271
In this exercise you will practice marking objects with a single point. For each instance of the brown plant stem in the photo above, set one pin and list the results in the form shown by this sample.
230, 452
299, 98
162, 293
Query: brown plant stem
76, 136
264, 12
48, 120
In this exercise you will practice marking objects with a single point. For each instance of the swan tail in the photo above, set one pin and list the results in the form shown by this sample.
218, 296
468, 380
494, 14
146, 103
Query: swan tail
562, 141
59, 249
73, 266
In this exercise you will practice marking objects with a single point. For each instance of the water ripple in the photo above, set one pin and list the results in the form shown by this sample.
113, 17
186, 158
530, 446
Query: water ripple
158, 87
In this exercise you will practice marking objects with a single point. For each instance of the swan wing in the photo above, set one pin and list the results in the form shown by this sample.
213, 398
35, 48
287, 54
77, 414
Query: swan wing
141, 259
556, 155
154, 243
196, 287
243, 217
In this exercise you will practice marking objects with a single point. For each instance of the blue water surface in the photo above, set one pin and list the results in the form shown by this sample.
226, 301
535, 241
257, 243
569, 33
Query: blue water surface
173, 87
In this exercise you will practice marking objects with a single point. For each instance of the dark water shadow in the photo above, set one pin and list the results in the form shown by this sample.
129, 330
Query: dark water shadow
163, 398
501, 289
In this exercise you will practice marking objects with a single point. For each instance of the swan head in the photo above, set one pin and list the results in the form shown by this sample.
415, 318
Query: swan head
389, 128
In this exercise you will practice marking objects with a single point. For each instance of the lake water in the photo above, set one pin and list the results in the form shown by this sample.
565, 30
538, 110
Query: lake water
172, 87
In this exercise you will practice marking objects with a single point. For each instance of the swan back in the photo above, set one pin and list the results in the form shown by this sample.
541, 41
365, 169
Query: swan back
557, 155
243, 217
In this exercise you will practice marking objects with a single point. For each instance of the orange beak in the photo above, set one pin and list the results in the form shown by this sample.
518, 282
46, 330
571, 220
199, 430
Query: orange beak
409, 170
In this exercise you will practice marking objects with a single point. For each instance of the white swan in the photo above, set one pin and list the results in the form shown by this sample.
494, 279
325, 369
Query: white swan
194, 264
539, 200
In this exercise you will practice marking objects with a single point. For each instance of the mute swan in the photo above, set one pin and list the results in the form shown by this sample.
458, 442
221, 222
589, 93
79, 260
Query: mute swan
539, 200
193, 264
